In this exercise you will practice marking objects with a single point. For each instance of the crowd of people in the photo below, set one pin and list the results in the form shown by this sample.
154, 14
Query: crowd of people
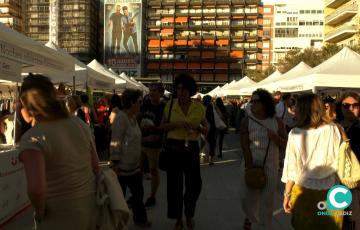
297, 136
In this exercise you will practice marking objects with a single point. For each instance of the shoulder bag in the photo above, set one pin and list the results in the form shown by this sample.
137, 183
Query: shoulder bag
348, 164
219, 123
163, 156
255, 177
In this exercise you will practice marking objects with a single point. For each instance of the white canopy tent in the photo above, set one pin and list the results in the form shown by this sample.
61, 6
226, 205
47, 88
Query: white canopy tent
340, 71
130, 84
234, 89
35, 57
85, 75
271, 83
106, 75
212, 93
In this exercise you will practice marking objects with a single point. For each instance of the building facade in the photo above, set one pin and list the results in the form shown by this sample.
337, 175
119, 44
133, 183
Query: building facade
297, 25
268, 37
10, 14
78, 22
216, 40
342, 22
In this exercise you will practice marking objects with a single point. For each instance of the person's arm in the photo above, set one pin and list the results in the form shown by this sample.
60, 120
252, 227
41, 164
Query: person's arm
169, 126
34, 165
245, 142
287, 194
279, 137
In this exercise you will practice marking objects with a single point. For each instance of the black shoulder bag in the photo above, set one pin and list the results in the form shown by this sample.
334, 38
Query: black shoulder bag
164, 156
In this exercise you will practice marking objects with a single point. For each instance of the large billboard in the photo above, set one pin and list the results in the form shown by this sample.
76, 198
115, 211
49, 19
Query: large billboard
122, 36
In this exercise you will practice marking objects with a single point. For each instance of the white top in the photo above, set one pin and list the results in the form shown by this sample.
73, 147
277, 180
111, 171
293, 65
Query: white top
311, 157
259, 139
125, 145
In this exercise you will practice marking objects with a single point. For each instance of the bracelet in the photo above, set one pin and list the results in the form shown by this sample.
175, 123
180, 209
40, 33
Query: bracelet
287, 194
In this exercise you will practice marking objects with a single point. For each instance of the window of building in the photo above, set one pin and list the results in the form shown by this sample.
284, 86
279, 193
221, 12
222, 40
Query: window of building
313, 11
307, 11
267, 10
320, 11
302, 12
266, 45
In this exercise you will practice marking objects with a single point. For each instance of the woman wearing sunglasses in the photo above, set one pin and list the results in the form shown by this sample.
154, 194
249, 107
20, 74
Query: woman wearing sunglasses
348, 112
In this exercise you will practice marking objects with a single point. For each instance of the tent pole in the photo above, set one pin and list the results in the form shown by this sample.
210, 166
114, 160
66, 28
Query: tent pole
74, 93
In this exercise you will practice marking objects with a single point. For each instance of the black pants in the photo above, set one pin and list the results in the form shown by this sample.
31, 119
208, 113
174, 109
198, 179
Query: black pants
133, 36
115, 41
184, 163
221, 134
134, 182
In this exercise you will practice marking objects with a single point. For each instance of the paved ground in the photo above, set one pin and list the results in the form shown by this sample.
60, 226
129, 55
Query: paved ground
219, 206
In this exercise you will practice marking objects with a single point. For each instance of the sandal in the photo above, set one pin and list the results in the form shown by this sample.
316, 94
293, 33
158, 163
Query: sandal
247, 224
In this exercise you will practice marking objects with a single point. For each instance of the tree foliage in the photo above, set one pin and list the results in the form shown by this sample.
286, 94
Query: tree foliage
310, 56
258, 75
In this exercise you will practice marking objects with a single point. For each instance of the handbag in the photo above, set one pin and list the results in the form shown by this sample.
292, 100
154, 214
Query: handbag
163, 156
348, 165
255, 177
219, 123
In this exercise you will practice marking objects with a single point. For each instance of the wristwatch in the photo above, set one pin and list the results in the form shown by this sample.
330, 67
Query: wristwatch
287, 194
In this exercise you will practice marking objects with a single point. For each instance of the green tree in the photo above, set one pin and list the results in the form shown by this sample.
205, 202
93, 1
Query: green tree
310, 56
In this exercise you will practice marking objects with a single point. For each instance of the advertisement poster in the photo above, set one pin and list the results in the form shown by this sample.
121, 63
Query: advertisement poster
122, 36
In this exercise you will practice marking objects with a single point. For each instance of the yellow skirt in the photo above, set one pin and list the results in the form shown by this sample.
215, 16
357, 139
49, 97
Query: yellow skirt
305, 212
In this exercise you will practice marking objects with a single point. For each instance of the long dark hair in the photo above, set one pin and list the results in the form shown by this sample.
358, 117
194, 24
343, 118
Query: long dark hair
339, 114
220, 104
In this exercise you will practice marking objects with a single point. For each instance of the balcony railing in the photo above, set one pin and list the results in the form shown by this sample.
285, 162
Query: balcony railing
334, 3
342, 13
341, 33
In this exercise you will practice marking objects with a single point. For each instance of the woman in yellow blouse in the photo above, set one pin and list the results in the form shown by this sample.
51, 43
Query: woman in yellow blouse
186, 123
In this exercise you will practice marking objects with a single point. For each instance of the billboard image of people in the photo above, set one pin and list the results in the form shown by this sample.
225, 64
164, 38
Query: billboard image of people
122, 36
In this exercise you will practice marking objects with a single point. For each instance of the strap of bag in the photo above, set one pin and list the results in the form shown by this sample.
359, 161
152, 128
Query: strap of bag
169, 114
268, 144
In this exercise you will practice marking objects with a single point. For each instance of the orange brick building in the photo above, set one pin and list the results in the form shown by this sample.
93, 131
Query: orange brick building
216, 40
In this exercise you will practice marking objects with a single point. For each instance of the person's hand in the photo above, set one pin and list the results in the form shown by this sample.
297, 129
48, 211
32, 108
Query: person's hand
191, 126
287, 205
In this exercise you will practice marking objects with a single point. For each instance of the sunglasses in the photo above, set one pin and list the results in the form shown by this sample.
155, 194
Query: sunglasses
348, 105
254, 100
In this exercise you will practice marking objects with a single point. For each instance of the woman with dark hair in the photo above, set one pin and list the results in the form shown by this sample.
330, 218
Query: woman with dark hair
211, 134
59, 158
183, 127
221, 110
125, 153
348, 113
310, 165
261, 134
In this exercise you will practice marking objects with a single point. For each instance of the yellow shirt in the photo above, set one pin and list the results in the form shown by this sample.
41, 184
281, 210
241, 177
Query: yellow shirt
196, 114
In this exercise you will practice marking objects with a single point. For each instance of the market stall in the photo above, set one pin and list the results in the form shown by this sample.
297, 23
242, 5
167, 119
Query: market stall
272, 84
341, 71
20, 54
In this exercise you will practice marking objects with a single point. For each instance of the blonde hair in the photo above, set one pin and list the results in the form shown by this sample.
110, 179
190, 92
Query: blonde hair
311, 111
38, 96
